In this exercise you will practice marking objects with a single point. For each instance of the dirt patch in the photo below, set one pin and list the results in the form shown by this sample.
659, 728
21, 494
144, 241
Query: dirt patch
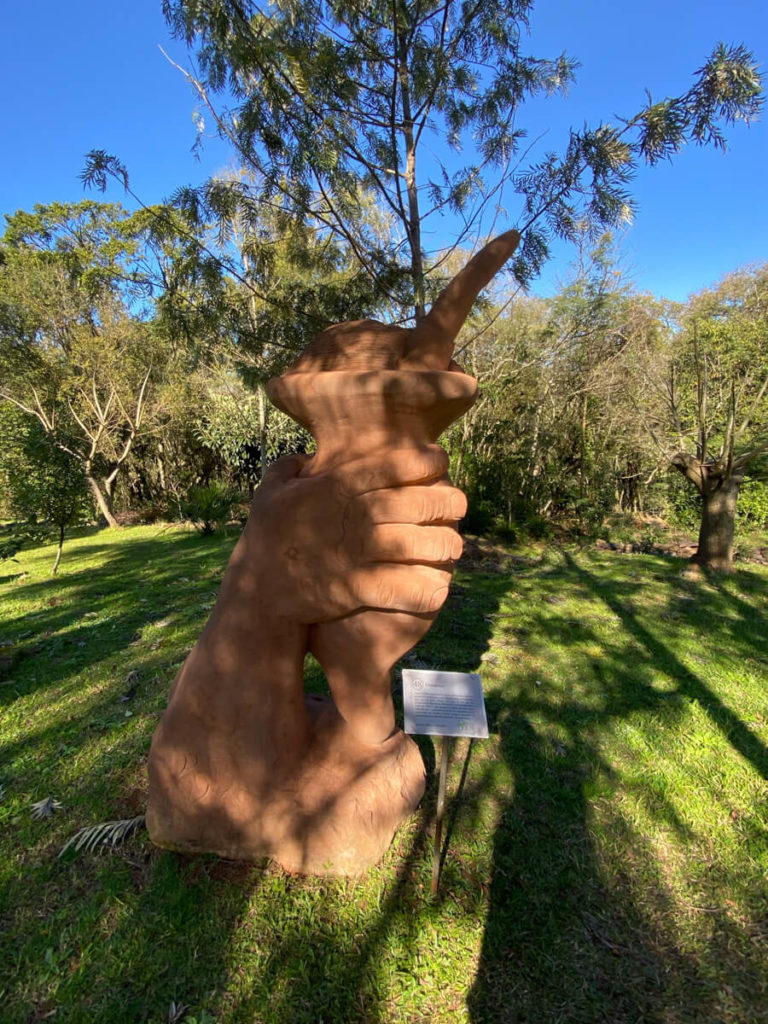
672, 549
675, 549
486, 555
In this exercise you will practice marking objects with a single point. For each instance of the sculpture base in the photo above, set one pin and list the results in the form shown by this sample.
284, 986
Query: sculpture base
335, 812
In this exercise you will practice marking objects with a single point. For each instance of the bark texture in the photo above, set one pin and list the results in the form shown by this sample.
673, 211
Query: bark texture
102, 499
718, 484
718, 518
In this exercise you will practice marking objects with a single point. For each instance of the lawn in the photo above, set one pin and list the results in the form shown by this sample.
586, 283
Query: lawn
607, 860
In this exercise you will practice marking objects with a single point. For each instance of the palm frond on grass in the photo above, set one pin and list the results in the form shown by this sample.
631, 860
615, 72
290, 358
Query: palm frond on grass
176, 1012
108, 833
45, 808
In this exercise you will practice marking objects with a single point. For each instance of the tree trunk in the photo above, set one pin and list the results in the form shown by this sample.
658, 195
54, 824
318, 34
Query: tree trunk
583, 447
263, 413
629, 486
718, 517
55, 568
718, 484
413, 222
102, 500
161, 471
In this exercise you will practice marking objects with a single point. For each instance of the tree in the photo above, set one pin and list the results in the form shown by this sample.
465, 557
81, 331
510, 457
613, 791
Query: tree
231, 423
76, 351
499, 446
595, 322
717, 401
706, 400
553, 431
43, 482
335, 101
352, 117
285, 285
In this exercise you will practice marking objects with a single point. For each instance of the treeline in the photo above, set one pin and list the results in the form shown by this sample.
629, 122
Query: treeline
604, 400
135, 349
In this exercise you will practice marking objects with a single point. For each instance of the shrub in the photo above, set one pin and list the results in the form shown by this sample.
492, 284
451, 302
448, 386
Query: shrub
684, 508
479, 518
208, 507
753, 503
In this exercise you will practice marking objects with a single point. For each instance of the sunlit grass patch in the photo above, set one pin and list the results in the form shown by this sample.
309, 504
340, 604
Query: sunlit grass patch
606, 860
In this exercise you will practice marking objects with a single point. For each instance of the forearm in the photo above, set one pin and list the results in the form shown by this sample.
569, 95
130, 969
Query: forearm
245, 671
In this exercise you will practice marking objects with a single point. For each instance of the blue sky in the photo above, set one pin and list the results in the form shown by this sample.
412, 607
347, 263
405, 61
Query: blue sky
89, 74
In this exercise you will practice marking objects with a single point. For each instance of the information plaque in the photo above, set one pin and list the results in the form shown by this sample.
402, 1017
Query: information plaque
444, 704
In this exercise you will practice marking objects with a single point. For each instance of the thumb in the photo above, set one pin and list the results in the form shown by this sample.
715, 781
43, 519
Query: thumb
286, 468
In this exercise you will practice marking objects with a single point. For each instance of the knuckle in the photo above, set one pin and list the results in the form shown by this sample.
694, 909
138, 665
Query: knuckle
435, 463
383, 507
458, 505
357, 593
412, 546
440, 457
341, 490
437, 599
374, 542
444, 546
340, 594
385, 595
363, 510
458, 545
370, 541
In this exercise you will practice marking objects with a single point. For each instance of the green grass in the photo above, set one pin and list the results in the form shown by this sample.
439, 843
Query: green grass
607, 860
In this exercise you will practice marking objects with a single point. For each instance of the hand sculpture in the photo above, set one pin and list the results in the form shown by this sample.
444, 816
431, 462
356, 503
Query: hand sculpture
347, 554
367, 387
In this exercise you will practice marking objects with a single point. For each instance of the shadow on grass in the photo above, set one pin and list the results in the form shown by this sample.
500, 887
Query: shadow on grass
162, 926
133, 608
10, 577
131, 934
566, 937
318, 971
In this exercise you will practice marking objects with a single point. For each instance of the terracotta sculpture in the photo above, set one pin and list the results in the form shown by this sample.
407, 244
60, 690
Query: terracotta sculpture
347, 554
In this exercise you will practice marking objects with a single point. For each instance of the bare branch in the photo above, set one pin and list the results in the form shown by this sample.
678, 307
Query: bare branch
86, 430
700, 364
743, 460
8, 397
46, 420
745, 423
478, 334
691, 469
140, 400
